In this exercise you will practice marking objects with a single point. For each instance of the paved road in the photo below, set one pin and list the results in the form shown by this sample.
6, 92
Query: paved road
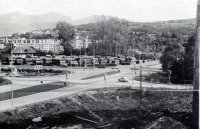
32, 90
77, 85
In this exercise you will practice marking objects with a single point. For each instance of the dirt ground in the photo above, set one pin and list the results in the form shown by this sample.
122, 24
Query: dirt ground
120, 108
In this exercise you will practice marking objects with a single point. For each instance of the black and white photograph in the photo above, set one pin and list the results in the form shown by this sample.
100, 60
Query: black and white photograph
99, 64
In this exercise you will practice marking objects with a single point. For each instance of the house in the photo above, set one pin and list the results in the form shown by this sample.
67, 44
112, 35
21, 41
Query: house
24, 51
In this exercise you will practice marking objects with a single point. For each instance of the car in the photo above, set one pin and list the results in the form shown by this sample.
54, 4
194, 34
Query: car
73, 63
115, 68
101, 66
134, 68
122, 79
63, 64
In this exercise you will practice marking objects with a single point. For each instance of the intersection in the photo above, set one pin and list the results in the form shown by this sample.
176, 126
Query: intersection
31, 90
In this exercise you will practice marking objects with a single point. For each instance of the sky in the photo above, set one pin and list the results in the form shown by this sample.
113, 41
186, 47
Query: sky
134, 10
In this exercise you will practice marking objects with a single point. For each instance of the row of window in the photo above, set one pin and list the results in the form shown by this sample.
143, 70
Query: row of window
29, 41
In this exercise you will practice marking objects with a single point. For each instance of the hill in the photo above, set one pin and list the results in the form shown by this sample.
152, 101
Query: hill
19, 22
93, 19
185, 26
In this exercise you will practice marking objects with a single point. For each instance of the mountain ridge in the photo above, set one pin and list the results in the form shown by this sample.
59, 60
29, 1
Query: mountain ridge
17, 22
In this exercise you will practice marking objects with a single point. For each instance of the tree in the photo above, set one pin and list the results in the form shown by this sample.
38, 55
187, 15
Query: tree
172, 53
108, 37
41, 53
179, 58
66, 33
189, 58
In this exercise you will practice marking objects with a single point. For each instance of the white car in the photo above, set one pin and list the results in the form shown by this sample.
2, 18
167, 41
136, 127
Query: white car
123, 79
63, 64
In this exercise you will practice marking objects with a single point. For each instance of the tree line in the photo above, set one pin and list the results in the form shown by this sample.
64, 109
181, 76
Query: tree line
115, 37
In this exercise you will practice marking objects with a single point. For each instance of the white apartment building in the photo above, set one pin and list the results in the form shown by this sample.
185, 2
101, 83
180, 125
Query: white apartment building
80, 42
39, 44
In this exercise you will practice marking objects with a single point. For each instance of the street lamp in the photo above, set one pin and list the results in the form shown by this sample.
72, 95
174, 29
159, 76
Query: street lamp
169, 76
139, 56
133, 67
94, 59
151, 83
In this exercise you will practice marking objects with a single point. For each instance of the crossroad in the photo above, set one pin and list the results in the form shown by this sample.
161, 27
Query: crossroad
30, 90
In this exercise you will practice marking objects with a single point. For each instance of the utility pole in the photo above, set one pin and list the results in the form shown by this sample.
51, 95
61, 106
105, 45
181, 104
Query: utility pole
94, 59
195, 103
85, 55
11, 64
133, 65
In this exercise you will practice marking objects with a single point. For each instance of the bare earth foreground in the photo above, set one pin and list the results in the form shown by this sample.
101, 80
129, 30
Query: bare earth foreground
107, 108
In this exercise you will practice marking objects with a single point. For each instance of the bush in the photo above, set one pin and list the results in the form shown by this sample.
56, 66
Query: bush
4, 81
6, 70
157, 78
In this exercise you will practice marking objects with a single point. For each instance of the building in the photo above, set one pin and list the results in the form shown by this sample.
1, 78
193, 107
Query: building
24, 52
47, 45
80, 41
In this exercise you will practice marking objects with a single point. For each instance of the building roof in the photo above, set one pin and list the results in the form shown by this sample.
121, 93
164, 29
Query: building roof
24, 50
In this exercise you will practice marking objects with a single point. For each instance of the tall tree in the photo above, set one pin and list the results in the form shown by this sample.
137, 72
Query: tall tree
172, 53
66, 33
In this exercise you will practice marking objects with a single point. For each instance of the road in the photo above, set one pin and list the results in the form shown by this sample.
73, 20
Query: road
76, 85
32, 90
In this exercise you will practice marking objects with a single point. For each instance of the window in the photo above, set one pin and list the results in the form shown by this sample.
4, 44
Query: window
28, 41
33, 41
37, 41
19, 41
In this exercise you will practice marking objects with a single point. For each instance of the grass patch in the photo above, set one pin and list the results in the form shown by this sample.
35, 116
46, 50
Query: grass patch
154, 77
101, 75
4, 81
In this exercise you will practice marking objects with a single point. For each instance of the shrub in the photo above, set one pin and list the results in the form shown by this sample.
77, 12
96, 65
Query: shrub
157, 78
4, 81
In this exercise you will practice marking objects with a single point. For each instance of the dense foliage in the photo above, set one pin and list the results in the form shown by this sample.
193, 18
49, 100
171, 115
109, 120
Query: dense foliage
116, 36
179, 58
66, 34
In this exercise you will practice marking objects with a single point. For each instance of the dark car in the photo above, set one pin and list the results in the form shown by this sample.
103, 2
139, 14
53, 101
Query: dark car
100, 66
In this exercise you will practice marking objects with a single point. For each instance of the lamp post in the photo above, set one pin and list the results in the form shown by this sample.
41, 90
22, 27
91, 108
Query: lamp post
94, 59
133, 68
169, 76
151, 83
139, 56
116, 49
71, 57
84, 57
